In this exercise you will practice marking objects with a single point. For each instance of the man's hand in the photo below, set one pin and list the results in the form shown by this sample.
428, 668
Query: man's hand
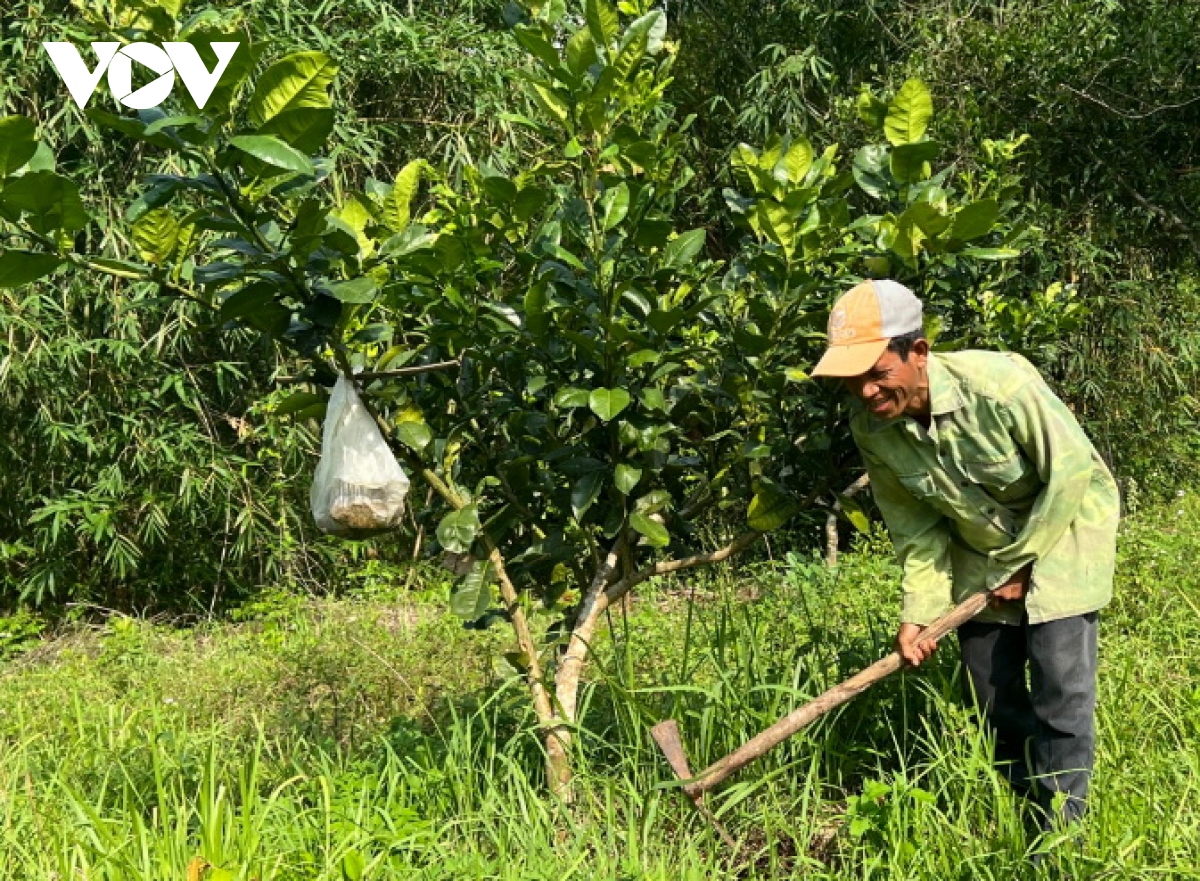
1012, 590
906, 644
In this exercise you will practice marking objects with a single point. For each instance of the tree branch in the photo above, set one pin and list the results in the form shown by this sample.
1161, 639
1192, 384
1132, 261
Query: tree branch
831, 531
570, 667
1125, 114
665, 567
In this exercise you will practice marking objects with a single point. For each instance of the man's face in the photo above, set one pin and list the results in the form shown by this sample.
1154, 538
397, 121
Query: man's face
894, 387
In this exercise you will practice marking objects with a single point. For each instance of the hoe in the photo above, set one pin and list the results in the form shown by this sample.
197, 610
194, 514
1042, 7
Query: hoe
666, 733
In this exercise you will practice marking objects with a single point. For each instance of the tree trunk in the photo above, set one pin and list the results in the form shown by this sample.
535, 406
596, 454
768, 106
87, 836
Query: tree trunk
831, 525
604, 590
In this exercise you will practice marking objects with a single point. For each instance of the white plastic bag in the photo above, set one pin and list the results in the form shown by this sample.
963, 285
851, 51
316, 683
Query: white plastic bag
359, 488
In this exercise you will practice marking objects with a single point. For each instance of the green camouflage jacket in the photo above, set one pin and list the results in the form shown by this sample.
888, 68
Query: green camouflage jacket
1004, 476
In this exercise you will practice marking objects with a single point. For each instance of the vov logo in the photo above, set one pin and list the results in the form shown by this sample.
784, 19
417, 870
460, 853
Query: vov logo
165, 60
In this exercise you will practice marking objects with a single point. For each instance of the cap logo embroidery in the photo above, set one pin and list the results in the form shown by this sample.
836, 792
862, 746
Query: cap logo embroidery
838, 331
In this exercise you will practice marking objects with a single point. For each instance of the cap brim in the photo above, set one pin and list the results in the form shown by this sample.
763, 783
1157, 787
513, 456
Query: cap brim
850, 360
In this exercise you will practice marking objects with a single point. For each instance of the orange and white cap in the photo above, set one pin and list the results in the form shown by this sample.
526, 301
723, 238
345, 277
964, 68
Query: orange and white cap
862, 322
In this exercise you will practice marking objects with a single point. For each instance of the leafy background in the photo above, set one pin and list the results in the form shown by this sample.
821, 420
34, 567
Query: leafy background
206, 503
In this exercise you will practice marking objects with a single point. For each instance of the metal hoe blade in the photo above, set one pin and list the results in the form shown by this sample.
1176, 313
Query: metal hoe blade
666, 735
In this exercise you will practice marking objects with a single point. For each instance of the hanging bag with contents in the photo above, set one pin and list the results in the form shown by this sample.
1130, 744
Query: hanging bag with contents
359, 488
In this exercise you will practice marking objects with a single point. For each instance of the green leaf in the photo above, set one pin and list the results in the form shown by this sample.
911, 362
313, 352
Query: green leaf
458, 529
642, 357
176, 122
795, 163
51, 201
155, 235
585, 491
608, 403
357, 290
975, 220
626, 477
868, 170
414, 435
516, 662
571, 397
925, 217
43, 159
274, 152
632, 51
908, 114
602, 22
870, 109
413, 239
22, 267
910, 162
18, 143
553, 103
652, 26
305, 128
378, 332
656, 534
502, 190
535, 43
855, 514
795, 374
295, 81
652, 399
771, 506
126, 125
298, 401
682, 249
615, 205
256, 306
354, 865
581, 52
247, 300
776, 222
473, 597
397, 205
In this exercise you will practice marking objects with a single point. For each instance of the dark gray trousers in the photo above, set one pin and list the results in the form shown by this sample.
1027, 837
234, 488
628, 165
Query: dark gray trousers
1045, 728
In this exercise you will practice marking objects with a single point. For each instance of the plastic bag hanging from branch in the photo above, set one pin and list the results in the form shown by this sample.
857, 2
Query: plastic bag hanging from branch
359, 487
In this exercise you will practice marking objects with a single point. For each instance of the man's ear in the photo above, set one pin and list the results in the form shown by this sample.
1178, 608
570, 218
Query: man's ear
920, 349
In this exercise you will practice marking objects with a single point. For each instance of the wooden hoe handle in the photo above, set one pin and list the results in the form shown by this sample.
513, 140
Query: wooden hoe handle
666, 733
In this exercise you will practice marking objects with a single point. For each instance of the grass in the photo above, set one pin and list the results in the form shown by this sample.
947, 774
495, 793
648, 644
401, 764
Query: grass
373, 737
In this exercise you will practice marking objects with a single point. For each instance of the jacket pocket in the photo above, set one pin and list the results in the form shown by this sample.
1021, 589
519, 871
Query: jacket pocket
919, 485
1001, 474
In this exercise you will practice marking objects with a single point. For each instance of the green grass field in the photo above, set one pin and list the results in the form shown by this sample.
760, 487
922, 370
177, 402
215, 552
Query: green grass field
373, 737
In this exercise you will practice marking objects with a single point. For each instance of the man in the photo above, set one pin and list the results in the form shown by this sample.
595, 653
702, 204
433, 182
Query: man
987, 483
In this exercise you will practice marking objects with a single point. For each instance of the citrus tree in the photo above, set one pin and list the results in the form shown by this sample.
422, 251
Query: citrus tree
614, 386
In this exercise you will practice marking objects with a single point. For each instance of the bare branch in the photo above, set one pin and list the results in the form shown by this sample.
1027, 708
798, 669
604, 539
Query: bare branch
1125, 114
665, 567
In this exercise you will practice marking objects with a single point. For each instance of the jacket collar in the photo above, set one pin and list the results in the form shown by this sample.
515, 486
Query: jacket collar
945, 396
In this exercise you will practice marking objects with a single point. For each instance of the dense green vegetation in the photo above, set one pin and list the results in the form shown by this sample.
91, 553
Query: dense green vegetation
613, 391
433, 82
626, 230
373, 737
